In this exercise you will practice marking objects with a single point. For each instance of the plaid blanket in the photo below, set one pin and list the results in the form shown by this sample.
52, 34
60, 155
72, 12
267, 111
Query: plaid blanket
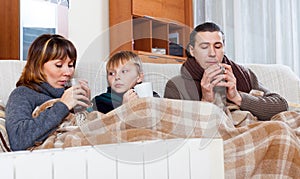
252, 149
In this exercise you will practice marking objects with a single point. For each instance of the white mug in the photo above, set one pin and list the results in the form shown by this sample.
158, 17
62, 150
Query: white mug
144, 89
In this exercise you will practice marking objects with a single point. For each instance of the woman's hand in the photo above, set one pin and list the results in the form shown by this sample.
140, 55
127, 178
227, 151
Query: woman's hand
129, 95
85, 86
78, 94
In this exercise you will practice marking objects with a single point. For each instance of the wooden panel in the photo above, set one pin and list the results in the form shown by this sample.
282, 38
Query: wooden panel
121, 36
120, 24
174, 10
156, 58
10, 29
189, 15
171, 10
153, 8
120, 11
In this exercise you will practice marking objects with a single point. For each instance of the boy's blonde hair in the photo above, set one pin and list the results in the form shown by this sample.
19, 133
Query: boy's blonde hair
124, 57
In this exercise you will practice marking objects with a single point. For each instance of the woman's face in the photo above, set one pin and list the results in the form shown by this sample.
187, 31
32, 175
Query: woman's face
124, 77
58, 71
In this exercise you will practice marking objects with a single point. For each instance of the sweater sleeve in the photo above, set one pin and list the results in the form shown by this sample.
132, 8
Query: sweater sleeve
263, 107
171, 90
24, 130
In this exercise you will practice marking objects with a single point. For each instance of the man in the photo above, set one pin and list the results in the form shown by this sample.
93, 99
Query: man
207, 67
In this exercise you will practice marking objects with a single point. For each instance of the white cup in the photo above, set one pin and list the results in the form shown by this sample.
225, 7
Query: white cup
71, 82
144, 89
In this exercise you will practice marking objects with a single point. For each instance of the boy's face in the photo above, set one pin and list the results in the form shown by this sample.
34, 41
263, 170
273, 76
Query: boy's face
123, 77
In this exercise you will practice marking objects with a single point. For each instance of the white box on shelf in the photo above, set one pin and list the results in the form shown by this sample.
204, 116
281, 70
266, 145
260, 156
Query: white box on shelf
161, 51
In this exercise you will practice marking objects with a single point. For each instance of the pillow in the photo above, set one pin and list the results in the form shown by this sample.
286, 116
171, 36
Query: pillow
4, 142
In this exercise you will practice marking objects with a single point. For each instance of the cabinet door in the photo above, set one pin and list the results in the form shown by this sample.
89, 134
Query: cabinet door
170, 10
10, 29
120, 25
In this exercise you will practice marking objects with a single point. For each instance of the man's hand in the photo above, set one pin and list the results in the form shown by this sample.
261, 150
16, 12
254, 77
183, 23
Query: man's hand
230, 83
212, 77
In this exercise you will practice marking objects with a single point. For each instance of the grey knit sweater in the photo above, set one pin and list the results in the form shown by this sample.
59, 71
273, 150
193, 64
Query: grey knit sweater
24, 130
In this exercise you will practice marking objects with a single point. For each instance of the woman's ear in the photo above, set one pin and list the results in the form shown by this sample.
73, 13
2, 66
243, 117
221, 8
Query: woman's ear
140, 78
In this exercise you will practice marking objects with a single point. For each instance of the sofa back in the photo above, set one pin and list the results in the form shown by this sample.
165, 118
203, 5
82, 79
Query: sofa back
278, 78
10, 71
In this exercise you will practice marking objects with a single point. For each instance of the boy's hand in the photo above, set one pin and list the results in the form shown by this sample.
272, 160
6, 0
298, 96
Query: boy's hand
129, 95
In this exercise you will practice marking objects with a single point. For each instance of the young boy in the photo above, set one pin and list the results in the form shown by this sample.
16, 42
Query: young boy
124, 71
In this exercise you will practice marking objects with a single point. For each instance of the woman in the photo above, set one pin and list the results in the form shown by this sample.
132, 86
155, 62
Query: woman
50, 64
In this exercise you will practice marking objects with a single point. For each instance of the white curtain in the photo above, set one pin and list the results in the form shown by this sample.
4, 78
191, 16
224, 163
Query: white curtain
256, 31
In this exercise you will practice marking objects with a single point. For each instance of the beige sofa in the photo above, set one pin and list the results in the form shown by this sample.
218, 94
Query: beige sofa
277, 78
93, 162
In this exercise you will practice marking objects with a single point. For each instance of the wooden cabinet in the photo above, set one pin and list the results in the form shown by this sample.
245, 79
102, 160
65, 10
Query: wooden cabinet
10, 29
146, 26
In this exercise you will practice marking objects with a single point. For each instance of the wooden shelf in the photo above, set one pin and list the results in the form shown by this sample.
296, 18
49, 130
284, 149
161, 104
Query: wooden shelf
144, 25
148, 57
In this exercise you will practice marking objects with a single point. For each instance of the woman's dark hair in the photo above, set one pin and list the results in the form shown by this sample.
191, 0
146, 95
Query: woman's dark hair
43, 49
205, 27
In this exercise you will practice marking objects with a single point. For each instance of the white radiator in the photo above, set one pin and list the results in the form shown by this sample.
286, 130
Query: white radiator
166, 159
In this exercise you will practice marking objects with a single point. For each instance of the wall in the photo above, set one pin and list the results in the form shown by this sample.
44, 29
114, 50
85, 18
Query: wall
89, 28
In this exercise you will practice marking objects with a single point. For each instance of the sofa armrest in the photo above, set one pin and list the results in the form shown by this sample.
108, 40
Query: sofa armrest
278, 78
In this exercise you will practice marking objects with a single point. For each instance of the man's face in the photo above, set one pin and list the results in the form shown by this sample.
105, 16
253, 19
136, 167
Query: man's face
208, 49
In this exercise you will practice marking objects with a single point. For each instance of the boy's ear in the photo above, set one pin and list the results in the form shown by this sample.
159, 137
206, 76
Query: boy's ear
140, 77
